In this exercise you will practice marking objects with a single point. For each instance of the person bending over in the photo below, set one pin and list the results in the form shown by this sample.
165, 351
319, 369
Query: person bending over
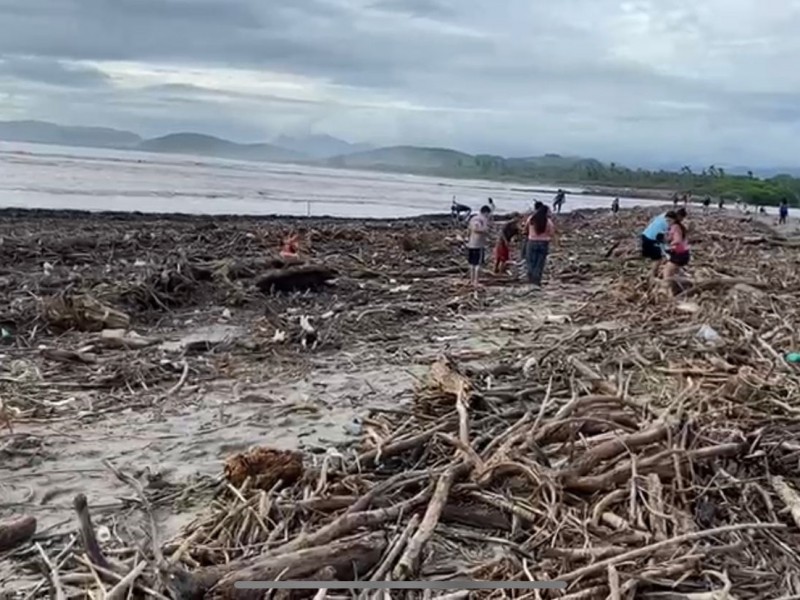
502, 251
678, 246
654, 237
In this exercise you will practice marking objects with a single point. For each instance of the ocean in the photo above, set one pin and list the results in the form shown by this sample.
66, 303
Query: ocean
55, 177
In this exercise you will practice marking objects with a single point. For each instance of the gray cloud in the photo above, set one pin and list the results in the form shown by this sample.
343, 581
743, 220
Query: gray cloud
623, 79
50, 71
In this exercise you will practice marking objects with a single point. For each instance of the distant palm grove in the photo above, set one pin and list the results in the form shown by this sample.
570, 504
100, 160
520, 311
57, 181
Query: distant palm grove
712, 181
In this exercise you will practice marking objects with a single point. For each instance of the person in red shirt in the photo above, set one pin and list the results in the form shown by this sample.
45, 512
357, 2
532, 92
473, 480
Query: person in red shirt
291, 245
502, 251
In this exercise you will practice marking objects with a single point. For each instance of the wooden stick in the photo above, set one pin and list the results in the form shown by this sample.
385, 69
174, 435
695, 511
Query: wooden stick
120, 591
608, 450
645, 550
407, 564
613, 583
52, 574
88, 536
397, 548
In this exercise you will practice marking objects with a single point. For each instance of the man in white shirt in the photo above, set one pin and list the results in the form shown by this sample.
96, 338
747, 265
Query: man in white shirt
479, 227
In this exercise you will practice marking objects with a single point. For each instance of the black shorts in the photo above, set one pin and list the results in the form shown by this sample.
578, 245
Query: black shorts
475, 256
679, 258
651, 249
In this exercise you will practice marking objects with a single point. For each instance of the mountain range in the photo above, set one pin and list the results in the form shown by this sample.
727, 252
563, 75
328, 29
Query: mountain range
329, 151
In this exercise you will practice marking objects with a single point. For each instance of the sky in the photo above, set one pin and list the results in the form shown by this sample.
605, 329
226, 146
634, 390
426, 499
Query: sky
636, 81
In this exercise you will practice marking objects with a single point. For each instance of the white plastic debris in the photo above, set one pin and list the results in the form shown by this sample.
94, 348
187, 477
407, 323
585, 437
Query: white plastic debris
528, 366
279, 337
226, 314
400, 288
103, 534
688, 307
708, 334
558, 319
48, 268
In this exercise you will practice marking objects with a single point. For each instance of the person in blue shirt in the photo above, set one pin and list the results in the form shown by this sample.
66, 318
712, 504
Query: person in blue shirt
784, 212
654, 238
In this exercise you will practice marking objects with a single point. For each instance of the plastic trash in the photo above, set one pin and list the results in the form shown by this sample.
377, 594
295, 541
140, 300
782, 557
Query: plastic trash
708, 334
793, 357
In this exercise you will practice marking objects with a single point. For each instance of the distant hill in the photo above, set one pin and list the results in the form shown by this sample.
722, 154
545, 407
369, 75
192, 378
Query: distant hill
319, 146
40, 132
207, 145
406, 158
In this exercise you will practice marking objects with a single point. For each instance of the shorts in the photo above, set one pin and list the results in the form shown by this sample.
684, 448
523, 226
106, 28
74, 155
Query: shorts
501, 252
679, 258
475, 256
651, 249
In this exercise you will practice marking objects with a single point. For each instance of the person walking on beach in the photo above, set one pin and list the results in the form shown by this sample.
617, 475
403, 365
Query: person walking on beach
540, 232
706, 204
783, 212
615, 206
559, 200
677, 246
479, 226
502, 251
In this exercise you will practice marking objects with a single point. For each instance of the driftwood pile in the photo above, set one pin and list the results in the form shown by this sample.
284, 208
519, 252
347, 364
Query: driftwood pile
635, 447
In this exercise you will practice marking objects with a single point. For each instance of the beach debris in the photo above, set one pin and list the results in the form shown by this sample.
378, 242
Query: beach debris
708, 334
627, 460
292, 279
120, 338
16, 531
83, 312
691, 308
265, 466
308, 336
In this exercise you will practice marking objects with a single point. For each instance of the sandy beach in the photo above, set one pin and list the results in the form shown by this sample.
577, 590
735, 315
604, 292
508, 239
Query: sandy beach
146, 357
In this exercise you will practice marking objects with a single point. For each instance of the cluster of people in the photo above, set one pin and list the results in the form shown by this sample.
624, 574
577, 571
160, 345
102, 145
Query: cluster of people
536, 230
665, 241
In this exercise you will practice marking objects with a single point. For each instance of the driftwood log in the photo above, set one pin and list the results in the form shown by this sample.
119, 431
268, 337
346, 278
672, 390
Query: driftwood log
295, 279
16, 531
350, 558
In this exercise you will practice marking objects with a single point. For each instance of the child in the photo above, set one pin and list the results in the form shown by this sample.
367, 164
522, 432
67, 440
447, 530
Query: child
502, 251
291, 245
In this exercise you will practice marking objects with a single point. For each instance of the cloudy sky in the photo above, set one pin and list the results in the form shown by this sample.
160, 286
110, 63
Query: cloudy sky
697, 81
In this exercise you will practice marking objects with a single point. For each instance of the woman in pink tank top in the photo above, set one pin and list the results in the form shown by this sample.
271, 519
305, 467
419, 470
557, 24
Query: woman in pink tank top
540, 230
678, 246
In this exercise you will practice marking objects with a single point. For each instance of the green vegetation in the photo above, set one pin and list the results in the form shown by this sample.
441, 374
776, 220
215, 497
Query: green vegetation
553, 168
